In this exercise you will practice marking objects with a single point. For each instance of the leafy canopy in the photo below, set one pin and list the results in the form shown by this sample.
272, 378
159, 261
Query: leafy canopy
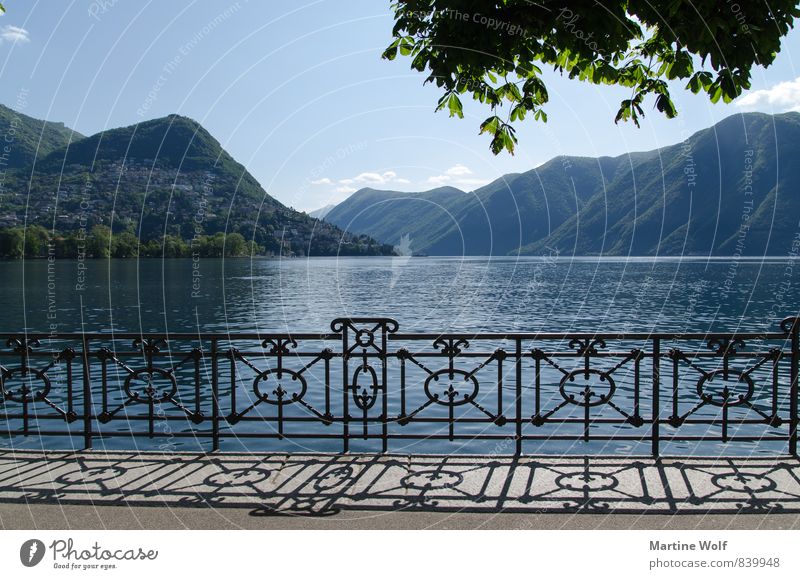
494, 50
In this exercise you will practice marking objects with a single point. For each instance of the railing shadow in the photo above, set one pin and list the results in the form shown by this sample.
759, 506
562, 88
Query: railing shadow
325, 485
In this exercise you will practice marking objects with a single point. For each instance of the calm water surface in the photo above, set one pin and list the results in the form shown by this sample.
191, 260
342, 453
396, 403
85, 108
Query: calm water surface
423, 294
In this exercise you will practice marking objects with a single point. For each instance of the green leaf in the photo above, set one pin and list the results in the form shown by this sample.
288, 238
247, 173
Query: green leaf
700, 81
407, 46
665, 105
518, 113
454, 105
508, 138
491, 125
391, 51
509, 91
524, 69
630, 109
715, 92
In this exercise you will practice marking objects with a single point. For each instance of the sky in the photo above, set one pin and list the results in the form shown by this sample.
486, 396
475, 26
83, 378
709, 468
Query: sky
297, 92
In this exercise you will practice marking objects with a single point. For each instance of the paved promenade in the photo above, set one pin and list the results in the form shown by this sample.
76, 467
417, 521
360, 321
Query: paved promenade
168, 491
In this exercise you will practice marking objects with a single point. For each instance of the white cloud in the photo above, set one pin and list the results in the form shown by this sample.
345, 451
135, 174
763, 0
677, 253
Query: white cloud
373, 178
384, 178
458, 170
344, 187
10, 33
784, 96
438, 180
456, 176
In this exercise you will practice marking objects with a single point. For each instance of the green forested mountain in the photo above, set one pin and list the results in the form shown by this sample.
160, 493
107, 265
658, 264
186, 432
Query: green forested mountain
165, 177
731, 189
425, 216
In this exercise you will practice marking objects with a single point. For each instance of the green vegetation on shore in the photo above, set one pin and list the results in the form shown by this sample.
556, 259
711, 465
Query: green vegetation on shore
37, 242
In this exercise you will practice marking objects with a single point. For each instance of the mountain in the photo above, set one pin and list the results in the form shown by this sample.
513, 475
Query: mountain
321, 212
29, 139
424, 217
164, 176
731, 189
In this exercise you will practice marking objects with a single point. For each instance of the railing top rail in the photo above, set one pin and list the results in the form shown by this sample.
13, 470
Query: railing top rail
788, 327
231, 336
171, 335
584, 335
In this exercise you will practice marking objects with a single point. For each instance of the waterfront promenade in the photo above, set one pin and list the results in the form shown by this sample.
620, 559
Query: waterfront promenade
166, 491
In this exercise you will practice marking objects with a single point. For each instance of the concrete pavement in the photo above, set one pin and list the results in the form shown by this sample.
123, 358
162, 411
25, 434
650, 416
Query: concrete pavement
93, 490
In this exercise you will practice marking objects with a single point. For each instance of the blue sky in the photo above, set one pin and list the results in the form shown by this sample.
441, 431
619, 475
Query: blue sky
297, 92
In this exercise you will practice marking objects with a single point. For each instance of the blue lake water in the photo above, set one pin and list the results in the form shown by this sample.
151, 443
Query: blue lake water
422, 294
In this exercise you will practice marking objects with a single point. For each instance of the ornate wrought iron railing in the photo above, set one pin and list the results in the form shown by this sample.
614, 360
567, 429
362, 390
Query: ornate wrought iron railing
365, 386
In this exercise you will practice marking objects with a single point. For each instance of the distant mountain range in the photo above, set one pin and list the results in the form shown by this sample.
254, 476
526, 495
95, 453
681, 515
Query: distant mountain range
732, 189
321, 212
164, 176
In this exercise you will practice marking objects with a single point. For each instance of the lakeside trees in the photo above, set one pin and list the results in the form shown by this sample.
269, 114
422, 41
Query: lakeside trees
37, 242
493, 50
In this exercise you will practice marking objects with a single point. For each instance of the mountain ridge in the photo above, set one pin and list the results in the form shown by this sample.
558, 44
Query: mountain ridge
163, 177
687, 198
26, 138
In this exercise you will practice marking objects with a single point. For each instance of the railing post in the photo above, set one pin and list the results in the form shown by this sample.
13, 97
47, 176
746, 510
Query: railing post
792, 326
345, 392
656, 395
214, 397
518, 411
87, 396
385, 382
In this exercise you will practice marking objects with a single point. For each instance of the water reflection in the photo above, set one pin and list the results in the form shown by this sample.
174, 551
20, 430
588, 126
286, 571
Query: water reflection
423, 294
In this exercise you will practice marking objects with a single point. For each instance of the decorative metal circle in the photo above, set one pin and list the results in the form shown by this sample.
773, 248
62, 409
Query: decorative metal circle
280, 396
453, 394
365, 338
731, 392
743, 482
238, 477
334, 478
587, 481
432, 479
588, 396
150, 391
788, 324
23, 393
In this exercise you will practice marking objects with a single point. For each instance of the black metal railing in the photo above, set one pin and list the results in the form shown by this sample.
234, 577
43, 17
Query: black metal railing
365, 386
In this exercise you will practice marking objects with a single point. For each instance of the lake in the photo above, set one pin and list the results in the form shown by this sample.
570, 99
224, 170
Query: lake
424, 294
